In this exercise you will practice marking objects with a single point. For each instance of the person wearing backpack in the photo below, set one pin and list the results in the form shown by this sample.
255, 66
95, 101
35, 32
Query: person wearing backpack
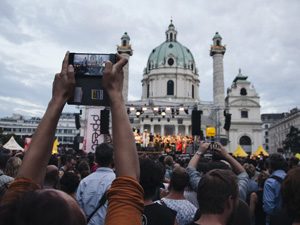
271, 195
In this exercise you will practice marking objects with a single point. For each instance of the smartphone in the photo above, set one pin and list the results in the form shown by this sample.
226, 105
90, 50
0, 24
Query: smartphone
89, 68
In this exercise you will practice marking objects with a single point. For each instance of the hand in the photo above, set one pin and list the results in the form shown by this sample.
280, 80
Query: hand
113, 78
203, 147
220, 150
64, 82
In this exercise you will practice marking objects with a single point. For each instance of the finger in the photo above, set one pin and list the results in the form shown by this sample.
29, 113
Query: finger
71, 73
108, 67
121, 63
65, 63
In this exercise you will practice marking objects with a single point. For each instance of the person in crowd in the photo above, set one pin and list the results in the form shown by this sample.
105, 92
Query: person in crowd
83, 169
69, 183
51, 178
4, 179
155, 213
195, 176
94, 187
271, 195
69, 165
293, 162
169, 165
291, 194
12, 166
258, 215
217, 196
252, 185
26, 203
176, 200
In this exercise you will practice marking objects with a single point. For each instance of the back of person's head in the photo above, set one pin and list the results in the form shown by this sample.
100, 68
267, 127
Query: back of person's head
69, 182
276, 162
45, 207
12, 166
169, 160
151, 176
214, 189
293, 162
179, 179
104, 154
83, 168
250, 169
51, 177
291, 192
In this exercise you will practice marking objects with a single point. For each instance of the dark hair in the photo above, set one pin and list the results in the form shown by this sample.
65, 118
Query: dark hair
179, 179
277, 162
104, 154
39, 207
51, 177
3, 159
69, 182
214, 189
290, 190
151, 176
83, 168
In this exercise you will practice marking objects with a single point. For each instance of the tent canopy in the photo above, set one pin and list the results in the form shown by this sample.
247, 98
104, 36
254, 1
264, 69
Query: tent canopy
260, 151
239, 152
13, 145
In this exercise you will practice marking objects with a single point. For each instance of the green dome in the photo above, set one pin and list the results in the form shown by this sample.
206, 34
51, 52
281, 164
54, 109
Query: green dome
161, 55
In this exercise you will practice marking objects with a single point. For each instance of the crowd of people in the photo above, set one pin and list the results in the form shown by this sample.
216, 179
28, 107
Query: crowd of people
119, 185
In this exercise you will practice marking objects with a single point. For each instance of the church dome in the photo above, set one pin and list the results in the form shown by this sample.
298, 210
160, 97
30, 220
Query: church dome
171, 53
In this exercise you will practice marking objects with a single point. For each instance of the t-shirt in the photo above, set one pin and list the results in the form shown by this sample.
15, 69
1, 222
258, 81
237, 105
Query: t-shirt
158, 214
185, 210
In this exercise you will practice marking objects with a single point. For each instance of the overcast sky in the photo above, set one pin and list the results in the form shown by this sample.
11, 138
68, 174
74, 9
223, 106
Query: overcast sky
262, 38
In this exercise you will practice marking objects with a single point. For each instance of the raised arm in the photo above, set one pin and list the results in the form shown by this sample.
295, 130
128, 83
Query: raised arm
39, 152
126, 158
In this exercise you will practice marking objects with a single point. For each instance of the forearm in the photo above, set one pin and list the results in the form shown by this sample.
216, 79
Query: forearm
194, 161
38, 155
126, 158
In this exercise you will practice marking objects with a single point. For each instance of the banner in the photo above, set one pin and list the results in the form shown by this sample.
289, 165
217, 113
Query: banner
92, 136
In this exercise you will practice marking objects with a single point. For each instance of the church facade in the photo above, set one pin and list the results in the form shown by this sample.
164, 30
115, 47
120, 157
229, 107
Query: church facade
170, 93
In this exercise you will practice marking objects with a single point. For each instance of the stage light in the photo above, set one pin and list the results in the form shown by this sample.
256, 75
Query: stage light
144, 108
168, 109
181, 109
132, 108
138, 113
155, 108
163, 113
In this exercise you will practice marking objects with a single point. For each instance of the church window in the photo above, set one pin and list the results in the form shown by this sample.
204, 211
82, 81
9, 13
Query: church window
193, 92
171, 37
218, 43
149, 66
244, 114
148, 90
124, 43
243, 92
192, 66
170, 46
170, 87
267, 140
170, 61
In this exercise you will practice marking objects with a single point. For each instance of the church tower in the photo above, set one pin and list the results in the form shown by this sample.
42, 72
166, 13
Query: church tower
217, 52
125, 50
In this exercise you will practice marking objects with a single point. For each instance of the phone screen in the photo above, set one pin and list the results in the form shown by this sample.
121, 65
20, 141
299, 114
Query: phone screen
89, 64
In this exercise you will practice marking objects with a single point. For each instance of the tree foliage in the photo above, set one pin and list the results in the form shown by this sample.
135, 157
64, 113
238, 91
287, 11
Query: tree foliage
292, 140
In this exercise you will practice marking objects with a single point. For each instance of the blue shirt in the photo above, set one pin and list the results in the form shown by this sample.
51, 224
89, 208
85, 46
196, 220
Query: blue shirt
272, 196
90, 191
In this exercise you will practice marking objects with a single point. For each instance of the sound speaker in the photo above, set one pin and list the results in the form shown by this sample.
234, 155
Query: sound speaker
104, 121
196, 122
77, 121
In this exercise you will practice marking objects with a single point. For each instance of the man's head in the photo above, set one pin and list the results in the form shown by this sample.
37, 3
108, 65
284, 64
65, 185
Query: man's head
276, 162
218, 193
179, 179
51, 177
151, 176
69, 182
104, 155
70, 163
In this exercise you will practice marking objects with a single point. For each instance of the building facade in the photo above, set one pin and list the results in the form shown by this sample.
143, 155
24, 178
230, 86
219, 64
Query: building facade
25, 127
279, 130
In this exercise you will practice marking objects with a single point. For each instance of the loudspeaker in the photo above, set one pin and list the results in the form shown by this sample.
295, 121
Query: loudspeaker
104, 121
77, 121
196, 122
227, 121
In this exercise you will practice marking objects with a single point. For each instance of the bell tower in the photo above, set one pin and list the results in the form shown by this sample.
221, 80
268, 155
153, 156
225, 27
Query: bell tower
125, 50
217, 52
